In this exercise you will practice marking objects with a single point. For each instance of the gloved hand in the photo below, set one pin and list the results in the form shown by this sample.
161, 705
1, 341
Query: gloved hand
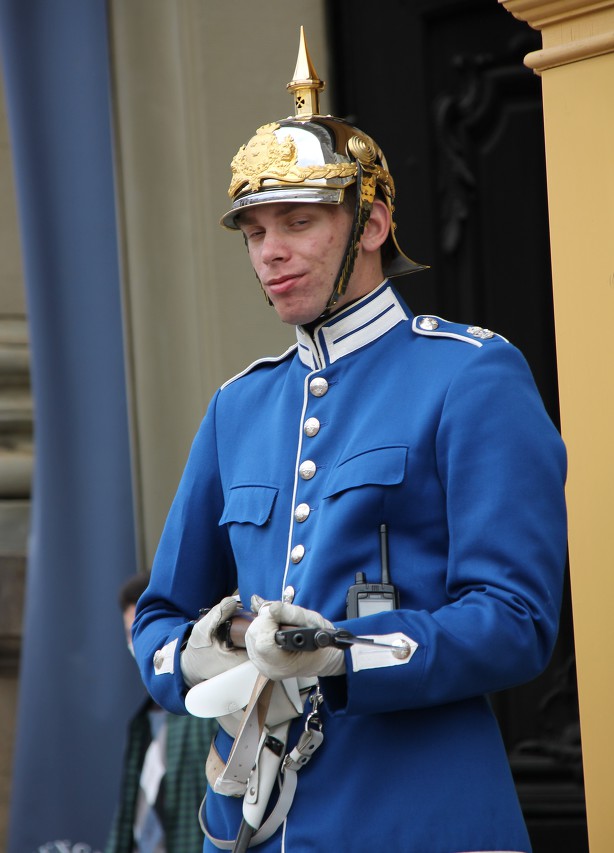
277, 663
205, 656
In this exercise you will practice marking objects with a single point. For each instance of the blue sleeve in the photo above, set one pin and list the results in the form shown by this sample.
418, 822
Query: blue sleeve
502, 466
193, 569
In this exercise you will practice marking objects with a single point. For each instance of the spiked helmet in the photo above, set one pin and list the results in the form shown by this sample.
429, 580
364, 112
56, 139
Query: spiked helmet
311, 158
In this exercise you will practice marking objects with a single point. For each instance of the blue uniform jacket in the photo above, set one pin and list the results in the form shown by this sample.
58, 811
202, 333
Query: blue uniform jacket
439, 432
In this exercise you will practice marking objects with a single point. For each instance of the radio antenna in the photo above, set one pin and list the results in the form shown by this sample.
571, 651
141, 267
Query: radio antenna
383, 538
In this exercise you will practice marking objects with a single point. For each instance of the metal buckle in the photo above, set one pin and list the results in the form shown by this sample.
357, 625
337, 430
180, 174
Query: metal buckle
313, 720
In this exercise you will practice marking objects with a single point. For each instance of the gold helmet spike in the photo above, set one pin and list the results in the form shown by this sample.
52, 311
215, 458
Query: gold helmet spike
305, 85
309, 158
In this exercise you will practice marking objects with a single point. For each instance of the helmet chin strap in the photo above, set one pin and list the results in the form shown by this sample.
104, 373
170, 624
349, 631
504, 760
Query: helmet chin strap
366, 184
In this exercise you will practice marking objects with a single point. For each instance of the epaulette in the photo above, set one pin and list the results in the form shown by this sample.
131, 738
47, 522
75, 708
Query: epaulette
261, 362
436, 327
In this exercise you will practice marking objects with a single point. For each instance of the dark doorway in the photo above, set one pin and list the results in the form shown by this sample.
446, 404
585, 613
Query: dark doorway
442, 87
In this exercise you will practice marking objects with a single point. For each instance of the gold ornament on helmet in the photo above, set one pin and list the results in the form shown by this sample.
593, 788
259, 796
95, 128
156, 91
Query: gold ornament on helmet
267, 158
311, 158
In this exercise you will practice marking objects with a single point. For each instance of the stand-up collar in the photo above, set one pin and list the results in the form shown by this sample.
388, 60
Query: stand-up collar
351, 328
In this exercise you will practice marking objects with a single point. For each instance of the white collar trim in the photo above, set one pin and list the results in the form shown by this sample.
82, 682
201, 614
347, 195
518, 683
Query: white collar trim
346, 332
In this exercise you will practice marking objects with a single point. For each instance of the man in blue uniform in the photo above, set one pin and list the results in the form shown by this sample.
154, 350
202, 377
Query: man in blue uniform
391, 476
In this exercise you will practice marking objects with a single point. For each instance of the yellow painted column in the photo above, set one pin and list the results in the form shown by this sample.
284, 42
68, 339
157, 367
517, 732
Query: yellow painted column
577, 69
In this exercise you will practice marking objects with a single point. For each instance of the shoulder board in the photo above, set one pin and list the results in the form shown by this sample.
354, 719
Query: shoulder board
436, 327
268, 360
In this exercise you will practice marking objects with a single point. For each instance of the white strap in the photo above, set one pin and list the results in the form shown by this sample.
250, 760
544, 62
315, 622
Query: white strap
308, 743
233, 779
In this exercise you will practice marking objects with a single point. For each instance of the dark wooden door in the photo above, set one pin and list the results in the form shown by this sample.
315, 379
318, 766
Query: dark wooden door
441, 86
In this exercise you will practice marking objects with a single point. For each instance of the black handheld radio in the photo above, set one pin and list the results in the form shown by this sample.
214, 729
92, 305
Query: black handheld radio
365, 598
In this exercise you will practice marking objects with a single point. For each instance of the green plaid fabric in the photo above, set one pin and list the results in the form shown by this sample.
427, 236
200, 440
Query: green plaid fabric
187, 746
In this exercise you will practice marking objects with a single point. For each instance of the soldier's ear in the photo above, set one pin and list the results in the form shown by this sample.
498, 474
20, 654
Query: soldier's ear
377, 228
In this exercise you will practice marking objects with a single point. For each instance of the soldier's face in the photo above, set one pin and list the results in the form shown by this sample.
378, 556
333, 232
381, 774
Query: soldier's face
296, 251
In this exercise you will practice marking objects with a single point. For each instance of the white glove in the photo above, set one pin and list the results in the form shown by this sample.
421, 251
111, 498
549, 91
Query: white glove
277, 663
205, 656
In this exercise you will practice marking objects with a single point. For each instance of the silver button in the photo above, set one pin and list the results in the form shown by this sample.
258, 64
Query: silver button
429, 324
311, 427
297, 553
158, 659
402, 649
318, 386
288, 594
307, 469
301, 513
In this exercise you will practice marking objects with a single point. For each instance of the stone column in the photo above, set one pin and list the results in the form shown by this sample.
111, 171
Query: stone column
576, 65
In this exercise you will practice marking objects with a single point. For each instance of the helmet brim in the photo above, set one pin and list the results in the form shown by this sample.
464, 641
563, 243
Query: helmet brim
287, 195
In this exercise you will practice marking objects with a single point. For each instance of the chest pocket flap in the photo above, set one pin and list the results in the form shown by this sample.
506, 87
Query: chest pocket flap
249, 505
383, 466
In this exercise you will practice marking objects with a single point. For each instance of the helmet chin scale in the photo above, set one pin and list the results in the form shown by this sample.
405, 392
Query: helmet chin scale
365, 195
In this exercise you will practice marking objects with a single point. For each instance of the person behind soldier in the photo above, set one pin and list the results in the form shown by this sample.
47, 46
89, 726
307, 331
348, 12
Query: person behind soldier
163, 774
